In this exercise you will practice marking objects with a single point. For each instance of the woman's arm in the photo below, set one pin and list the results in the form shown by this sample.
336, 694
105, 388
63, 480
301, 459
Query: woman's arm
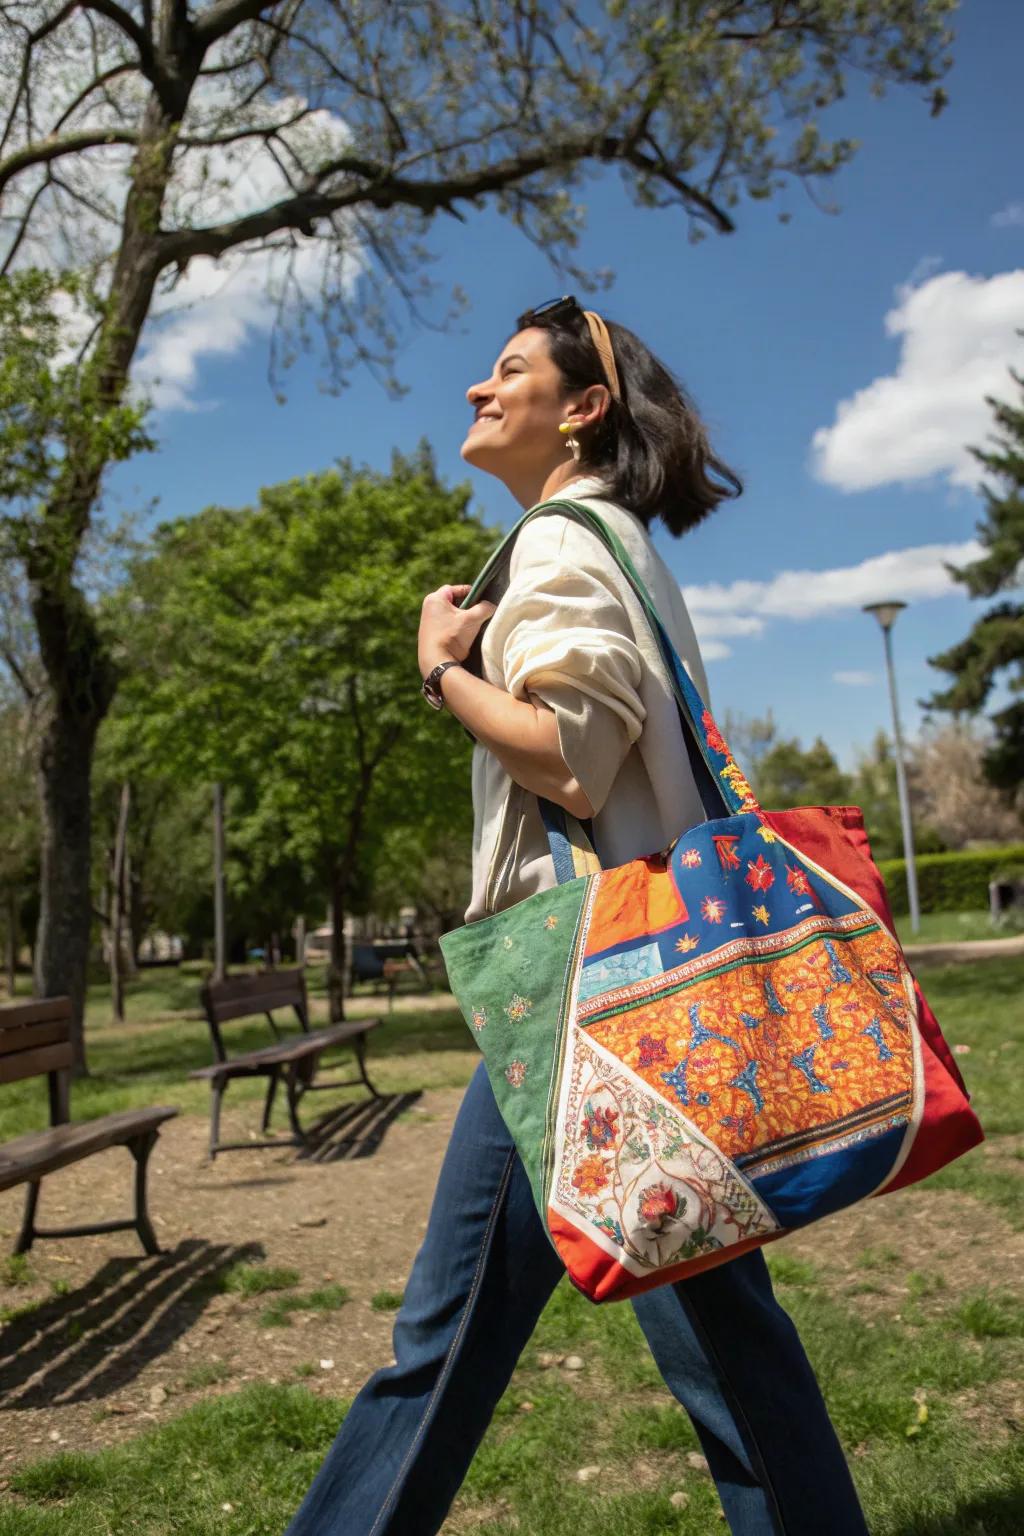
522, 735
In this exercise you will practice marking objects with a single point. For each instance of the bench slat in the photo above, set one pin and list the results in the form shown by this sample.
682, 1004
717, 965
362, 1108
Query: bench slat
48, 1058
225, 1009
41, 1152
298, 1048
40, 1010
20, 1037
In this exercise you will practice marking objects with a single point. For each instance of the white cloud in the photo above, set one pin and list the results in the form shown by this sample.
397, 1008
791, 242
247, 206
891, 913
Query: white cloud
1010, 217
854, 679
958, 339
740, 608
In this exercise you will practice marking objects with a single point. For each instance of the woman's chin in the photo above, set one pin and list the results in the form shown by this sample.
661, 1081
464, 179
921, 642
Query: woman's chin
476, 453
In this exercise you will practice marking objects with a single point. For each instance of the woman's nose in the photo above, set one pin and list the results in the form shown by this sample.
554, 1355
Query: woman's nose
476, 394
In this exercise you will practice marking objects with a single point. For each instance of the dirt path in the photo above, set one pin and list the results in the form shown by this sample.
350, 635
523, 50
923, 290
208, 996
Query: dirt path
134, 1339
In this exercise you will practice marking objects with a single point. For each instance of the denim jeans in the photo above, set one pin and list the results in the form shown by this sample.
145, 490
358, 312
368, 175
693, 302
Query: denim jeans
726, 1349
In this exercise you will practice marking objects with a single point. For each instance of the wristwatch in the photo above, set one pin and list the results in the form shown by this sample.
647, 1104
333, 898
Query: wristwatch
432, 684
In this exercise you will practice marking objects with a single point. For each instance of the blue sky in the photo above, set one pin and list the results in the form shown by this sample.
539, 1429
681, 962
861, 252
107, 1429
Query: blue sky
849, 434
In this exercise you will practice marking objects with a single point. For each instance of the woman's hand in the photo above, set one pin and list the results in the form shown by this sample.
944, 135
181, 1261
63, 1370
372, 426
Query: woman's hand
447, 631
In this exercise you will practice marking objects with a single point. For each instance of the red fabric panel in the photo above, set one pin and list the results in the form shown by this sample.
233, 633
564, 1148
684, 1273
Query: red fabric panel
949, 1127
602, 1278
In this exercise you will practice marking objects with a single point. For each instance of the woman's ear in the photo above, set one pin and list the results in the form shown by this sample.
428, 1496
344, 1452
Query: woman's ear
592, 406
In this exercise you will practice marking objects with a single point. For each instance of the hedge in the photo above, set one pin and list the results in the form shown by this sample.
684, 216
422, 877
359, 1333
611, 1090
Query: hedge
950, 882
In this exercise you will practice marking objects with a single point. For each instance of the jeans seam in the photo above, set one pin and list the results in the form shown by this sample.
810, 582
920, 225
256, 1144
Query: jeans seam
445, 1371
740, 1414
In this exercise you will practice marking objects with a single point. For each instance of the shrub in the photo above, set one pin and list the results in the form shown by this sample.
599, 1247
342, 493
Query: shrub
949, 882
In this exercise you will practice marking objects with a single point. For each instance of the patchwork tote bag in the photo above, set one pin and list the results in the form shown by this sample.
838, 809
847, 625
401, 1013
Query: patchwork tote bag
701, 1050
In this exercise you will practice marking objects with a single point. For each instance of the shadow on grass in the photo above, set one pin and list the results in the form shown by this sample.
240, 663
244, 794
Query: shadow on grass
92, 1342
989, 1514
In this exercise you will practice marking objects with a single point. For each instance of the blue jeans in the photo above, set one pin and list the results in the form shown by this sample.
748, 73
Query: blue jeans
724, 1346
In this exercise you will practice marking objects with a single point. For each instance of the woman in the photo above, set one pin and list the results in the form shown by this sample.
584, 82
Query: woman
570, 702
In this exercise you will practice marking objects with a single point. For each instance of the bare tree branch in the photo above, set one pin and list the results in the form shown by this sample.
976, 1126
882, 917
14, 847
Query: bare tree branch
47, 150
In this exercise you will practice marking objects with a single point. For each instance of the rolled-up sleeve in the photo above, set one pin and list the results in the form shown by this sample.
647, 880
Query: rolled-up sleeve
561, 634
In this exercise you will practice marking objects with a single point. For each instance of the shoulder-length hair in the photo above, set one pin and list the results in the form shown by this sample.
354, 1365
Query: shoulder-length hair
652, 448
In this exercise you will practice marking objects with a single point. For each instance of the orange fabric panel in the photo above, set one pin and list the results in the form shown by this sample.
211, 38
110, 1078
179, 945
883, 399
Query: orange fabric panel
635, 900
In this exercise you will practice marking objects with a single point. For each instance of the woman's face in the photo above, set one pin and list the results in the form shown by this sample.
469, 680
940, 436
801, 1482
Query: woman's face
517, 411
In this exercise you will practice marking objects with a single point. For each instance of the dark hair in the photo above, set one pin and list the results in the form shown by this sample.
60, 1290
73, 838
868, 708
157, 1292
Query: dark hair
651, 447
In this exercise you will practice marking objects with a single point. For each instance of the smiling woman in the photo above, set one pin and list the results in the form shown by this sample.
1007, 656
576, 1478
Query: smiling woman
567, 695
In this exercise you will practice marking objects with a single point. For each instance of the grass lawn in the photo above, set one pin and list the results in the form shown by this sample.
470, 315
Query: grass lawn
951, 927
921, 1368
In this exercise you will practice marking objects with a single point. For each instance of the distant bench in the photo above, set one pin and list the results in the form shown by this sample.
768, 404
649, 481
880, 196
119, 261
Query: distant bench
35, 1040
293, 1057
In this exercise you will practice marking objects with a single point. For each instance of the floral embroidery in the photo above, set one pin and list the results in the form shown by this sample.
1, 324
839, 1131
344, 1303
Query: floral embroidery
515, 1072
726, 849
591, 1175
691, 858
509, 941
688, 942
766, 834
657, 1204
652, 1050
518, 1008
732, 773
760, 874
479, 1019
551, 921
712, 909
798, 881
600, 1126
762, 914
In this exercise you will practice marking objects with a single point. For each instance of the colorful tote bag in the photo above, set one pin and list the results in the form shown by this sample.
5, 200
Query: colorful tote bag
704, 1049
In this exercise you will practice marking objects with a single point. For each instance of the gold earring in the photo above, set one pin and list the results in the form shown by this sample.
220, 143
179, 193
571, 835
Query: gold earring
568, 430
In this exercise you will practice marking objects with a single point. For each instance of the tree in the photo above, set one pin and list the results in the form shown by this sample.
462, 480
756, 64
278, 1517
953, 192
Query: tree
67, 676
791, 775
950, 789
319, 141
275, 651
993, 652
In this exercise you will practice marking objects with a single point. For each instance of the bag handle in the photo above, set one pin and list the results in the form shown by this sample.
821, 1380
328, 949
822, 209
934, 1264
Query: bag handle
723, 787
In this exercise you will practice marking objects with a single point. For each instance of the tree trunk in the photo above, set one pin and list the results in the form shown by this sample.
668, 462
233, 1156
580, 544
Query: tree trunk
65, 913
117, 904
299, 932
129, 948
220, 940
336, 964
12, 940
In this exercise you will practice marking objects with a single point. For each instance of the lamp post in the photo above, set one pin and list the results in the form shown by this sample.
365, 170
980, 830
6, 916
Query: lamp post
886, 614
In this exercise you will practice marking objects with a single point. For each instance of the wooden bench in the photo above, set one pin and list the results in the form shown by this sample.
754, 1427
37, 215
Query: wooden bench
35, 1039
293, 1057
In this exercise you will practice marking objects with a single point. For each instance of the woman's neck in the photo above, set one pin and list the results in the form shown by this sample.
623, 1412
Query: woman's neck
538, 489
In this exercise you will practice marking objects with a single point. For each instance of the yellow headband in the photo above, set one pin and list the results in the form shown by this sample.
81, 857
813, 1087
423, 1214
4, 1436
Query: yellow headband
603, 343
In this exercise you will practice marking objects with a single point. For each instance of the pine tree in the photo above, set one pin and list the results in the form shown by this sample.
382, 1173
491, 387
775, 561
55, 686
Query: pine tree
994, 650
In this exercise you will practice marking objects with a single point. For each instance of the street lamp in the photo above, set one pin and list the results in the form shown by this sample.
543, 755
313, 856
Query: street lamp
886, 614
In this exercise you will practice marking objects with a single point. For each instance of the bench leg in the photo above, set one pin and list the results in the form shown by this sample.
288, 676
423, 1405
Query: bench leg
26, 1236
269, 1103
216, 1094
293, 1088
360, 1050
140, 1150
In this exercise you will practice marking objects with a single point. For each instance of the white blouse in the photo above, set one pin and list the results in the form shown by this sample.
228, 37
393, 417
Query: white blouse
569, 630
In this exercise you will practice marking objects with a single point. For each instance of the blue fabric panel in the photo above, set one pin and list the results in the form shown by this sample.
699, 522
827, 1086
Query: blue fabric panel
608, 971
824, 1184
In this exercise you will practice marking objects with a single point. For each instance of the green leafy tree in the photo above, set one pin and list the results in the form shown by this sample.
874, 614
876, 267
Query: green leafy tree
790, 775
316, 143
275, 650
993, 652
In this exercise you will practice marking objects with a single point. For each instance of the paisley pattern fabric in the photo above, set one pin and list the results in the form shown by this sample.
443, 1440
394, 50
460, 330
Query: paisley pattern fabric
700, 1050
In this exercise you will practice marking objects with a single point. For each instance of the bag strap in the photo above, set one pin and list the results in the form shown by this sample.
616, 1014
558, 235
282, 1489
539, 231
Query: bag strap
723, 787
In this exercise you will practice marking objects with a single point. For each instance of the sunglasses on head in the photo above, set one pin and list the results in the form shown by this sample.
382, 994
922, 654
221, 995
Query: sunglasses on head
567, 308
554, 309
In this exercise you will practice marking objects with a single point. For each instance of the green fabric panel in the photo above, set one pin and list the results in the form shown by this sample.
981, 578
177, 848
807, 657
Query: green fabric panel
512, 973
